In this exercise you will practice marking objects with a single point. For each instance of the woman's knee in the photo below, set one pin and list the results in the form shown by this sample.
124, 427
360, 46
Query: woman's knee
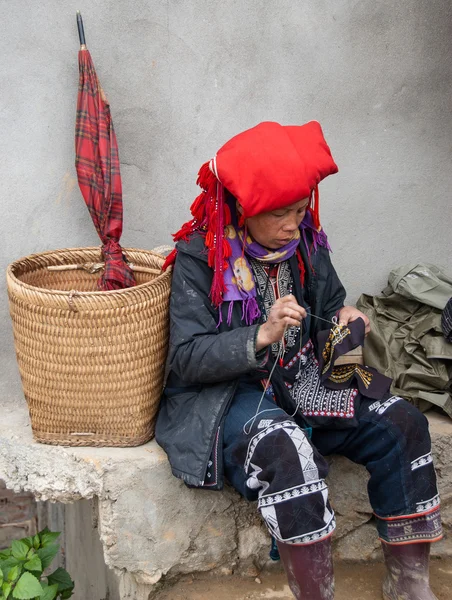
280, 456
410, 423
289, 475
402, 420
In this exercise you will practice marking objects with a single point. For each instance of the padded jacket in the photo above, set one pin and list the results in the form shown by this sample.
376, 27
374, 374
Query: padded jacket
206, 360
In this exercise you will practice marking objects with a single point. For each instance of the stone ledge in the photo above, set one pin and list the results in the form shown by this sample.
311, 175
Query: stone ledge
152, 525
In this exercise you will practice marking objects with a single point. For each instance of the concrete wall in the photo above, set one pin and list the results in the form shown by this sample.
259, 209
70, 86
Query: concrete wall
84, 554
182, 77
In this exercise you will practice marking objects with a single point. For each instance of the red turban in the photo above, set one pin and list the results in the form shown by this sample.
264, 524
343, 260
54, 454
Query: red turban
272, 166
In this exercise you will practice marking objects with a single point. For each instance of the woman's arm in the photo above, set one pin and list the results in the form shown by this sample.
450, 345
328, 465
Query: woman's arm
198, 352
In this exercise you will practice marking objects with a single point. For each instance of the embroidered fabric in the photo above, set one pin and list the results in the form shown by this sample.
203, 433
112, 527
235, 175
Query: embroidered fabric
413, 528
298, 389
325, 398
274, 283
313, 398
338, 341
284, 496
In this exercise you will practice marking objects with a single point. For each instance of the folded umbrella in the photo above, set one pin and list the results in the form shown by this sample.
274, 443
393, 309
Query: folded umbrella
97, 165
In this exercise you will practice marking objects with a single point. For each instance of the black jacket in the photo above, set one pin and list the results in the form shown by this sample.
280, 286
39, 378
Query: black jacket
205, 362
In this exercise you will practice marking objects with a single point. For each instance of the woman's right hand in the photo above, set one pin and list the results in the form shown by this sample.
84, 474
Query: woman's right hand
285, 312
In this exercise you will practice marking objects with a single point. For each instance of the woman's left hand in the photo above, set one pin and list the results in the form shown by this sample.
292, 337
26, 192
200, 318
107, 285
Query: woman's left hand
349, 314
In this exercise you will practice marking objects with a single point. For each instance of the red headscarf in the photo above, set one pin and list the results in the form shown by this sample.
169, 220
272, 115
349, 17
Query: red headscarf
266, 168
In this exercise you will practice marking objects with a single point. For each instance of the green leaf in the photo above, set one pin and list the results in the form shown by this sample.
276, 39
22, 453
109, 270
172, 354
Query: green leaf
27, 587
50, 592
1, 577
5, 565
43, 531
49, 537
14, 573
19, 549
5, 554
28, 541
36, 542
66, 594
47, 554
62, 578
34, 564
6, 588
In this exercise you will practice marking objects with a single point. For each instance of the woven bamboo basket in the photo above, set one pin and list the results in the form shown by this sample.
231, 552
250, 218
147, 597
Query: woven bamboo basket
91, 363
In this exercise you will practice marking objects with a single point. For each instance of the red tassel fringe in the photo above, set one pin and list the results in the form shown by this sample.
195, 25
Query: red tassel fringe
210, 214
301, 267
170, 259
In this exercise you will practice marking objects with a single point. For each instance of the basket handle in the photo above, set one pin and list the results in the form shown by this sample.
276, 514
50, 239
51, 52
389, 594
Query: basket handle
95, 267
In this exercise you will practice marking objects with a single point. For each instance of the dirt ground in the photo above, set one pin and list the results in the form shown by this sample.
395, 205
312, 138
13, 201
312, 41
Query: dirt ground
353, 582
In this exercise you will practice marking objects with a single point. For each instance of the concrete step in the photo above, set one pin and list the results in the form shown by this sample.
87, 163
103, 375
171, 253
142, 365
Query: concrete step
153, 529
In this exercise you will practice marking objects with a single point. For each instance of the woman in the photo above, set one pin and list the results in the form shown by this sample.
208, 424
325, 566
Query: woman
253, 285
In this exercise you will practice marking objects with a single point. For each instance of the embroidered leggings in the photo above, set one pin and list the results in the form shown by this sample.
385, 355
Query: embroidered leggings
273, 461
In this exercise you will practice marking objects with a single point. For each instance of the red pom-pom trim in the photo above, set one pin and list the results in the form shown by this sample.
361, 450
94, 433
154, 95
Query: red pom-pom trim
211, 257
170, 259
211, 214
227, 214
227, 250
210, 237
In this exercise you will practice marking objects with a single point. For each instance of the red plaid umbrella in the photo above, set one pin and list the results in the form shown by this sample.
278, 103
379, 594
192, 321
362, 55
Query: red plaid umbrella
99, 177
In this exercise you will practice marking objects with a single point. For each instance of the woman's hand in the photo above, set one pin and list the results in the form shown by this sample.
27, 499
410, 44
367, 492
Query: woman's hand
285, 312
349, 314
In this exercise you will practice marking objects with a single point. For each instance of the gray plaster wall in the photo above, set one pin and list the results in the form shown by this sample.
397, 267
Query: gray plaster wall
183, 77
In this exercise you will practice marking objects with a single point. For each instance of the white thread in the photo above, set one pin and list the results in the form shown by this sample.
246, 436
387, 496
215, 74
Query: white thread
278, 356
333, 320
267, 383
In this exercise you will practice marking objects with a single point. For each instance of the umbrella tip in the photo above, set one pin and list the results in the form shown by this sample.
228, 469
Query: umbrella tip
81, 31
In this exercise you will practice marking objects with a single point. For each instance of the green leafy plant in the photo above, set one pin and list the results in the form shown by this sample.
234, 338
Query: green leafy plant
22, 567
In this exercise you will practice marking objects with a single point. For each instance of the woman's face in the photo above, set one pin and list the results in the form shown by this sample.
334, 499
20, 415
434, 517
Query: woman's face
277, 228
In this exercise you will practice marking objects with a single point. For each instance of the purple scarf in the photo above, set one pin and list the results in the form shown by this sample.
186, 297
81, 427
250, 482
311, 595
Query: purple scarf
239, 278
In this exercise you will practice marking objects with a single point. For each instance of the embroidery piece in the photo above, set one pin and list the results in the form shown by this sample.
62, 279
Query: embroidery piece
337, 335
301, 355
314, 399
345, 372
